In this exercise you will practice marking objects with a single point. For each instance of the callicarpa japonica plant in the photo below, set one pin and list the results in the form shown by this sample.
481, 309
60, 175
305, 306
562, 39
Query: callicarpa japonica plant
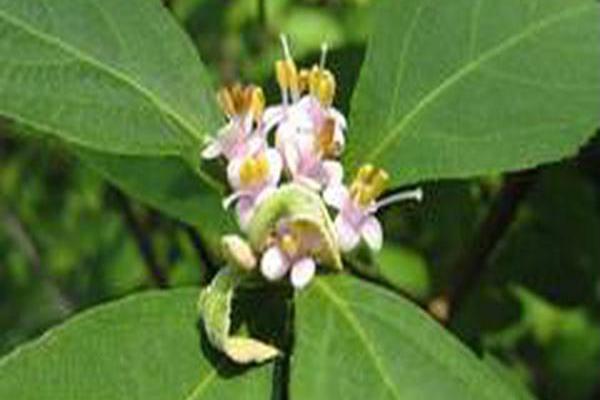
374, 199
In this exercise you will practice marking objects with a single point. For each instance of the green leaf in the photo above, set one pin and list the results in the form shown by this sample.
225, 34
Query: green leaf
144, 347
168, 184
355, 341
112, 75
470, 87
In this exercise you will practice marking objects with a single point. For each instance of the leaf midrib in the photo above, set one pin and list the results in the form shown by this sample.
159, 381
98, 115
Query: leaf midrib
164, 108
362, 335
465, 70
345, 310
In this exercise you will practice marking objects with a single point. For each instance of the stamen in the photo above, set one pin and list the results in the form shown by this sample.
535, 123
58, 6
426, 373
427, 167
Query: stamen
289, 244
286, 47
226, 102
416, 194
323, 55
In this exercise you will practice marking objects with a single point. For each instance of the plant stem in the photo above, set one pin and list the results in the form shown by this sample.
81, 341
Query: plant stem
144, 243
471, 266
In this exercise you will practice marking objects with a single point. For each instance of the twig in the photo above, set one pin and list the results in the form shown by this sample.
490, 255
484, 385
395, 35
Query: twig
203, 254
143, 241
473, 263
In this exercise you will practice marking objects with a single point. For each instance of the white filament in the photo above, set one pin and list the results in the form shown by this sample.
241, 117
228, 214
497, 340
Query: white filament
416, 194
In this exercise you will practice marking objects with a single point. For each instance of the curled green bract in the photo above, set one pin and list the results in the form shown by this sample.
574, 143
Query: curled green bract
298, 206
214, 305
293, 206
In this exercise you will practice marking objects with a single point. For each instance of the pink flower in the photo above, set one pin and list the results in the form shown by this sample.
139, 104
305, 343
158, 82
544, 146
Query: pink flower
357, 207
290, 251
253, 178
242, 134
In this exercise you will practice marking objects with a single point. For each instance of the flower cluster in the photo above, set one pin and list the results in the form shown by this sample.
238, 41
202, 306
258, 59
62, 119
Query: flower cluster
297, 141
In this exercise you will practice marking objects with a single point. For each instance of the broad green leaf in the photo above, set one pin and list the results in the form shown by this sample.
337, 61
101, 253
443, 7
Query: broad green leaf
355, 341
145, 347
168, 184
469, 87
112, 75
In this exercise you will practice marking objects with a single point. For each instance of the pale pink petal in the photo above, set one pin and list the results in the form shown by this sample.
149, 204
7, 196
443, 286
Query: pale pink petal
336, 196
275, 165
274, 265
302, 272
348, 237
245, 210
229, 200
334, 173
308, 182
271, 117
372, 233
291, 156
233, 172
338, 117
212, 150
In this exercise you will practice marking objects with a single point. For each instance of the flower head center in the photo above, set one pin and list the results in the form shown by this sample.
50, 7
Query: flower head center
370, 183
254, 170
290, 244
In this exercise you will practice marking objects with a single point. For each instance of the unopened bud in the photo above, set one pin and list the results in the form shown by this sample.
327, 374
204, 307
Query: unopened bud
238, 252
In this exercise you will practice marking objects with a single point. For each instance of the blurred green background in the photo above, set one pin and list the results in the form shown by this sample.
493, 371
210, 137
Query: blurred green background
69, 240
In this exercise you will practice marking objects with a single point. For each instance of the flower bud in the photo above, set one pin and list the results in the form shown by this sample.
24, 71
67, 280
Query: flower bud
238, 252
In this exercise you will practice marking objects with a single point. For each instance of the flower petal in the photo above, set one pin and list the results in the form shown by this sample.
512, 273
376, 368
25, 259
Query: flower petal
372, 233
339, 118
274, 265
233, 172
275, 165
245, 210
348, 237
272, 116
336, 196
302, 272
212, 150
334, 173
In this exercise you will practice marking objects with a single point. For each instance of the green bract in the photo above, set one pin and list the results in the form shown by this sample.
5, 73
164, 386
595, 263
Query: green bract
296, 204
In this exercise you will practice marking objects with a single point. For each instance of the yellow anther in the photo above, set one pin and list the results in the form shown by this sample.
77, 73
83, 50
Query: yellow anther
289, 244
281, 74
303, 80
321, 84
287, 75
257, 103
379, 182
254, 170
365, 173
325, 143
326, 88
369, 184
241, 100
226, 102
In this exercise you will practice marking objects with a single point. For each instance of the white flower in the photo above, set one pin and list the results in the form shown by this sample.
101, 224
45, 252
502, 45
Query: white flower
357, 207
253, 178
309, 131
290, 252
